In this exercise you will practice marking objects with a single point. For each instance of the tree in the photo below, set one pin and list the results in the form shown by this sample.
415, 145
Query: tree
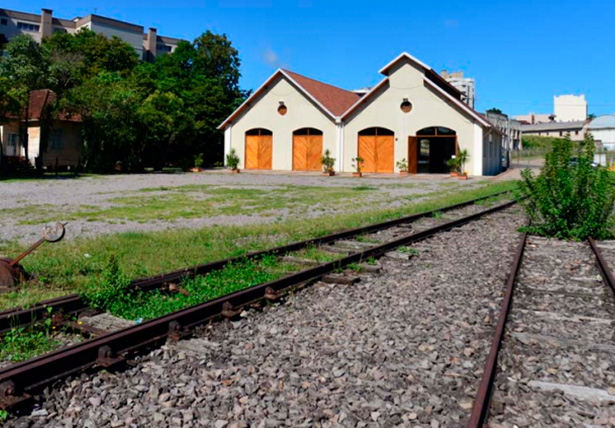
495, 110
26, 66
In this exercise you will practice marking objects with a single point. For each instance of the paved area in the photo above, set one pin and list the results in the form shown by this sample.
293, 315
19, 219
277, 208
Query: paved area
133, 203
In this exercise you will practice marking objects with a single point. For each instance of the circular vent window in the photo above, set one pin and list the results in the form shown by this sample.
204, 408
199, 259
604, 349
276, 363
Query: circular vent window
282, 109
406, 106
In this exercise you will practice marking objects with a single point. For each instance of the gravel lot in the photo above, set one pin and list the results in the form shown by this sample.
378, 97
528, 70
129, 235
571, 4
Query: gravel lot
556, 366
35, 201
403, 347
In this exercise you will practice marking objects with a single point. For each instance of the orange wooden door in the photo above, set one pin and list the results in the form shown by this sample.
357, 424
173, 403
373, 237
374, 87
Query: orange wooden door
314, 153
413, 153
385, 149
252, 143
265, 151
300, 152
367, 151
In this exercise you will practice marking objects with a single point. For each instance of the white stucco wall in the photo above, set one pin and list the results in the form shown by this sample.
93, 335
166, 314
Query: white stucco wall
263, 113
428, 109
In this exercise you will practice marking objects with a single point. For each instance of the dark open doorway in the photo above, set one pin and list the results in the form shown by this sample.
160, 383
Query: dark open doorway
431, 149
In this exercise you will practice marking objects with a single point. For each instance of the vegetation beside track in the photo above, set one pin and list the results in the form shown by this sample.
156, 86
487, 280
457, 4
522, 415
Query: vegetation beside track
71, 265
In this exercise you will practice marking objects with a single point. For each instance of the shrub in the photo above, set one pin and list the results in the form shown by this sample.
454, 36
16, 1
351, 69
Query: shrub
198, 160
571, 198
453, 164
357, 163
232, 160
462, 158
327, 161
402, 165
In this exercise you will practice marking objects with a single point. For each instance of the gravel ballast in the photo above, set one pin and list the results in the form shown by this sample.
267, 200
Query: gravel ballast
403, 347
556, 366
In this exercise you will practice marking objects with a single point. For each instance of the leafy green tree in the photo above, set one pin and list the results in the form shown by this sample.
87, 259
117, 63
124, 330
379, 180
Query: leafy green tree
25, 65
571, 198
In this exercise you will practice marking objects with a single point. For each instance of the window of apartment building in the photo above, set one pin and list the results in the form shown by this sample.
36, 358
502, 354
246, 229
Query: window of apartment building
561, 133
55, 139
28, 27
163, 48
4, 21
576, 132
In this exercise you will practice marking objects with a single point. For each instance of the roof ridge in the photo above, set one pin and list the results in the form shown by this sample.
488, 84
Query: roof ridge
316, 80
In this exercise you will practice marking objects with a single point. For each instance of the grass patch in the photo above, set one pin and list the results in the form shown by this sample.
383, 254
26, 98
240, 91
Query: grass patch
23, 343
70, 265
314, 253
112, 294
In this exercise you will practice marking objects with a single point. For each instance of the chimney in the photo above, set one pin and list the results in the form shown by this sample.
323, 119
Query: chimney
151, 43
46, 23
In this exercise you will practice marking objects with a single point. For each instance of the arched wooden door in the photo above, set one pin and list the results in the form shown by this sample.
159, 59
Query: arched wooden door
259, 148
377, 148
307, 149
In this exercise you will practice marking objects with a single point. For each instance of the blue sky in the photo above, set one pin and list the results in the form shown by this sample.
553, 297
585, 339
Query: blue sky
521, 52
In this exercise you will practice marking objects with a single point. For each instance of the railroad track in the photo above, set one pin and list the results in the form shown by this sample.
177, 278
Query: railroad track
551, 361
19, 382
67, 307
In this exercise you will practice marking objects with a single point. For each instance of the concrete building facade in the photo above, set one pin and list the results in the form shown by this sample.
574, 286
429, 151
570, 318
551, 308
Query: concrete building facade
569, 108
511, 131
147, 45
412, 114
465, 85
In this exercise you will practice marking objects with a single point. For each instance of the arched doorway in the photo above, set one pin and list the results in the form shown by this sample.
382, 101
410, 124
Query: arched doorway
377, 148
259, 145
430, 149
307, 149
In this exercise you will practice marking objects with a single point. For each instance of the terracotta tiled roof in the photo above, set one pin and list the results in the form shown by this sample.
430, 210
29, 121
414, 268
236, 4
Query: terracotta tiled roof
40, 100
38, 108
334, 99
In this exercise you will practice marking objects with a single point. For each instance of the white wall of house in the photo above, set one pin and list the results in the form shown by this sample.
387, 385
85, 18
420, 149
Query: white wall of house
428, 109
263, 113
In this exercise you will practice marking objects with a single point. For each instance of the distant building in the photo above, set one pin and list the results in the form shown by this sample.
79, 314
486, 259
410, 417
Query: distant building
465, 85
535, 118
566, 108
511, 134
576, 129
54, 141
602, 129
569, 108
147, 45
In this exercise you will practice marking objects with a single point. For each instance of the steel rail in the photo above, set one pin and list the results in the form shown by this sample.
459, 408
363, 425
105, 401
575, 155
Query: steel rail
603, 266
20, 381
72, 303
480, 409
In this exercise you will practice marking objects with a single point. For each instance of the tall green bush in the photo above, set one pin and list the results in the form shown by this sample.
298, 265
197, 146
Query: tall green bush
570, 199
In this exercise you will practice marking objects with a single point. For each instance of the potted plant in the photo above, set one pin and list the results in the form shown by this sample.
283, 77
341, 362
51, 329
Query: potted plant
462, 158
327, 164
232, 161
357, 165
198, 163
402, 165
453, 165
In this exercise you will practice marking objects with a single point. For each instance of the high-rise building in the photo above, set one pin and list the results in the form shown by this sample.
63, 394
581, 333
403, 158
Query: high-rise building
464, 84
147, 45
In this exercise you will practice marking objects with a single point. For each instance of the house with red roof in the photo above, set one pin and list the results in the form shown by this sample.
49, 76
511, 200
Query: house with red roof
411, 115
54, 139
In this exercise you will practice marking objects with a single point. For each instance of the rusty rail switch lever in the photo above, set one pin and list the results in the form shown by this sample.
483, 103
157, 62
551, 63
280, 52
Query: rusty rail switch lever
12, 273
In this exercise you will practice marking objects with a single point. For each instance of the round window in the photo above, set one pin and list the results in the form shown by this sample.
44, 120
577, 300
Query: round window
406, 106
282, 109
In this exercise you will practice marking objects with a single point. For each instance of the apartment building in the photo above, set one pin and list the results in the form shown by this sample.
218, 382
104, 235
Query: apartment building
465, 85
148, 44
